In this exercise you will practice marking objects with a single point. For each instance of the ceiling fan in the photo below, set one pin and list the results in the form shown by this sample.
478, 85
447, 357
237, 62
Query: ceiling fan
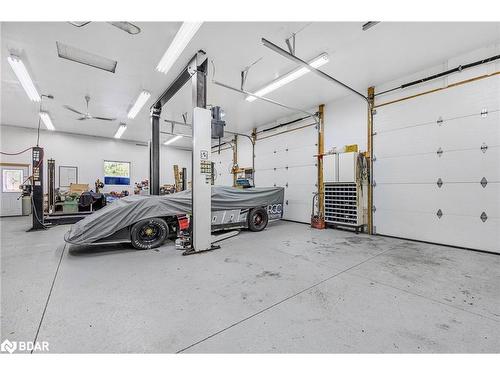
87, 115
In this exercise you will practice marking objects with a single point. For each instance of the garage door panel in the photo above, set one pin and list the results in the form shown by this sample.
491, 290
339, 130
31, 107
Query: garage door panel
470, 99
301, 156
267, 178
408, 166
470, 132
223, 162
302, 174
424, 139
470, 166
473, 199
389, 117
407, 169
297, 210
463, 231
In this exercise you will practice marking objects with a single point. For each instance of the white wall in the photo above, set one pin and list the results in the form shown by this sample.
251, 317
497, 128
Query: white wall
88, 154
345, 122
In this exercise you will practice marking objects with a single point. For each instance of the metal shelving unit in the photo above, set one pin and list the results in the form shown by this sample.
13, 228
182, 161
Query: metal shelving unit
342, 205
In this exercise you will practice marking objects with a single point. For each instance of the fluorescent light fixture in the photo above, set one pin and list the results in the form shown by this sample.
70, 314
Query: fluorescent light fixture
24, 78
139, 103
289, 77
181, 40
78, 55
172, 140
120, 131
47, 120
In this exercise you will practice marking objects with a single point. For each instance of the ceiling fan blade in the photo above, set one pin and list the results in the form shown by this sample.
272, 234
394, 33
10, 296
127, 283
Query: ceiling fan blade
127, 27
79, 23
103, 118
73, 110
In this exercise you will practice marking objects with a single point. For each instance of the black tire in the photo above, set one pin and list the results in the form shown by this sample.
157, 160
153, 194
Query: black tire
149, 233
257, 219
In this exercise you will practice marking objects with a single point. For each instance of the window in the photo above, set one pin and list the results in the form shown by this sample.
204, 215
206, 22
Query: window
12, 179
116, 172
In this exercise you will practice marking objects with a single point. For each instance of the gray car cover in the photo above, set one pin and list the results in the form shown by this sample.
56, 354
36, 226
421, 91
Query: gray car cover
129, 210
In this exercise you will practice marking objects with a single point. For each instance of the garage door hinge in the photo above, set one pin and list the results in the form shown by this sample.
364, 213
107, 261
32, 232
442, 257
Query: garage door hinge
484, 182
374, 111
374, 133
439, 152
439, 121
439, 182
374, 209
374, 158
484, 147
484, 217
439, 213
286, 185
374, 183
484, 112
286, 202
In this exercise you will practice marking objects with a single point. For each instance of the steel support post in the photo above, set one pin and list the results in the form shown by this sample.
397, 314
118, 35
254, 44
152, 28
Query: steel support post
154, 151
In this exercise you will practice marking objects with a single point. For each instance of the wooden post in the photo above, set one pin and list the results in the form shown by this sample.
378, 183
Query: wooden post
318, 221
235, 159
371, 102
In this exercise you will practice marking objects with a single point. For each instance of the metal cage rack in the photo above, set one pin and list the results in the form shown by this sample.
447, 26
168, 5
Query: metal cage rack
342, 205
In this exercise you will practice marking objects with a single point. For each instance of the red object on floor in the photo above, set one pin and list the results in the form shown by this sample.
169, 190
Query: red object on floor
317, 223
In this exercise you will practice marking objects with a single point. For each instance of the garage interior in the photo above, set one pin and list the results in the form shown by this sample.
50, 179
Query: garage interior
382, 137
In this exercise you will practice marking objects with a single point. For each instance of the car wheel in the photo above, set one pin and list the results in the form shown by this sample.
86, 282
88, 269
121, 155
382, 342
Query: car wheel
149, 233
257, 219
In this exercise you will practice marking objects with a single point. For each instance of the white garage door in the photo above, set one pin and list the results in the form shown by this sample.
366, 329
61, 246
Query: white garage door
437, 167
287, 160
223, 164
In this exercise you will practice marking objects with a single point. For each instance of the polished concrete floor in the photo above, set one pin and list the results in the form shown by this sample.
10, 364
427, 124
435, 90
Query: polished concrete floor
287, 289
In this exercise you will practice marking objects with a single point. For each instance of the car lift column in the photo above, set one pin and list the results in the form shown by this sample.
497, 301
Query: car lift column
37, 188
201, 163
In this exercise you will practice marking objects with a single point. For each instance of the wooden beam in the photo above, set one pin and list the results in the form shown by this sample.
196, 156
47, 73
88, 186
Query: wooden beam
371, 102
235, 159
321, 151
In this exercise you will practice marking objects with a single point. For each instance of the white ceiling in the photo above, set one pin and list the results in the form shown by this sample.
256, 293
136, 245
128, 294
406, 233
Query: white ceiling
361, 59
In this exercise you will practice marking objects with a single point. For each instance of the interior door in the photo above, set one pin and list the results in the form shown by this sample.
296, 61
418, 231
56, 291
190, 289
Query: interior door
12, 177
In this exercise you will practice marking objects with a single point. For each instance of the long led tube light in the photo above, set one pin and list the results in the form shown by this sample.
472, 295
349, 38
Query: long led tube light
186, 32
24, 78
47, 120
139, 103
289, 77
172, 140
120, 131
